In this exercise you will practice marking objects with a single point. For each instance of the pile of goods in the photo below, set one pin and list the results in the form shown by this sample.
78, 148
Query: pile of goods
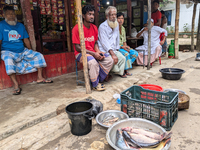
137, 138
52, 15
16, 5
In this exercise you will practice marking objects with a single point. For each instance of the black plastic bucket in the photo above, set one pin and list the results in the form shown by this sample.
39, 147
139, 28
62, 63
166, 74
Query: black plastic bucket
80, 117
172, 73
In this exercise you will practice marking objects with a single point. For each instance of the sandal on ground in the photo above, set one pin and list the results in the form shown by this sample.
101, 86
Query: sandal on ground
45, 81
99, 87
123, 76
102, 85
128, 74
17, 91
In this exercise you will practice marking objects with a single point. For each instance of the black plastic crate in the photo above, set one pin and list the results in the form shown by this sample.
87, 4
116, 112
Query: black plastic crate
159, 107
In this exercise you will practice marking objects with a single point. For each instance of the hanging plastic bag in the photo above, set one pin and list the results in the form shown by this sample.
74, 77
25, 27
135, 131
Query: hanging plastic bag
97, 106
133, 32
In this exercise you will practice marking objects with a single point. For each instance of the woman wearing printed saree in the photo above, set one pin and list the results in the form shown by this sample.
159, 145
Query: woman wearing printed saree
128, 52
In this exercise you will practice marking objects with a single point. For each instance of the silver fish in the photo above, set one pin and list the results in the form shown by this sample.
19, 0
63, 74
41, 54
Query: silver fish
139, 140
120, 142
144, 132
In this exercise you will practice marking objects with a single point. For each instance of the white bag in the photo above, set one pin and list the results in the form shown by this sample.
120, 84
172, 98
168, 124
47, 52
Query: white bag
133, 32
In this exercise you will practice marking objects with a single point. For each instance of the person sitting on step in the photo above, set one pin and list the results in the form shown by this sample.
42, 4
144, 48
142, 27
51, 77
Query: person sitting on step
16, 50
129, 53
99, 63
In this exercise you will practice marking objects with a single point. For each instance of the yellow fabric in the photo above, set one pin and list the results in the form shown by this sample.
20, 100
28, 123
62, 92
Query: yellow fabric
122, 36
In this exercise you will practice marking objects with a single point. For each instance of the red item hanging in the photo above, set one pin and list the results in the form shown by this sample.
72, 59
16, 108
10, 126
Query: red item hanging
42, 11
54, 7
60, 4
53, 1
55, 19
55, 13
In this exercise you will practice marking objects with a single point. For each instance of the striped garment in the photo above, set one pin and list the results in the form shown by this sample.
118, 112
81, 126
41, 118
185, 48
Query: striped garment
98, 70
22, 63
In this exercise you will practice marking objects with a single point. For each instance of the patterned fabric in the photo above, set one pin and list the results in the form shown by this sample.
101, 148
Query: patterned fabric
22, 63
130, 57
98, 70
122, 36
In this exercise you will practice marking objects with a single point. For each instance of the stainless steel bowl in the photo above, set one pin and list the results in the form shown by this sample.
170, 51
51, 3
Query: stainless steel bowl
133, 122
116, 113
174, 90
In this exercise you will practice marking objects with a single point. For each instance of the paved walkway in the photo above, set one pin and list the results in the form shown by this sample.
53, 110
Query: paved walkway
30, 119
182, 41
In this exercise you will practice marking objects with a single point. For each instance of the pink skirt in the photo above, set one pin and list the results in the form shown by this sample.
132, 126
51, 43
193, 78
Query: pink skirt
154, 56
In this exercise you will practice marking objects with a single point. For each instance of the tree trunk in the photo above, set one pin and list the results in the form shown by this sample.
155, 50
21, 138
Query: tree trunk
83, 50
129, 12
96, 13
193, 25
149, 35
67, 26
28, 22
198, 35
176, 28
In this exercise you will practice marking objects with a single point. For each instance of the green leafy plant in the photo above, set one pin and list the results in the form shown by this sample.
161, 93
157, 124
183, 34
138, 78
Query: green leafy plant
186, 27
164, 4
167, 29
171, 29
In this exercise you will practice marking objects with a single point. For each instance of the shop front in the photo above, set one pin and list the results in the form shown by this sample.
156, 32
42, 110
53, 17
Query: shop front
49, 24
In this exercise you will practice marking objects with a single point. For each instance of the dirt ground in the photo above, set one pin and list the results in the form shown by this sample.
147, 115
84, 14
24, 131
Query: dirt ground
185, 130
54, 133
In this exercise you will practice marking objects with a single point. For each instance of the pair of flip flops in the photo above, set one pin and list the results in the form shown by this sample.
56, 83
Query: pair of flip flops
45, 81
129, 74
125, 75
17, 91
99, 87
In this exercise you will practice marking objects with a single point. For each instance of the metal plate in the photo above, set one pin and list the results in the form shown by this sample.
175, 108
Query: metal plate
116, 113
133, 122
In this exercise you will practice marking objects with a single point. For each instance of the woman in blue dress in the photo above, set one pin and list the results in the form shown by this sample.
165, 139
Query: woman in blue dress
128, 52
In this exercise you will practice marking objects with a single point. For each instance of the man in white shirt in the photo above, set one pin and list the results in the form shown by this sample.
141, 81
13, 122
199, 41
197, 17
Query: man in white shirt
156, 48
108, 40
